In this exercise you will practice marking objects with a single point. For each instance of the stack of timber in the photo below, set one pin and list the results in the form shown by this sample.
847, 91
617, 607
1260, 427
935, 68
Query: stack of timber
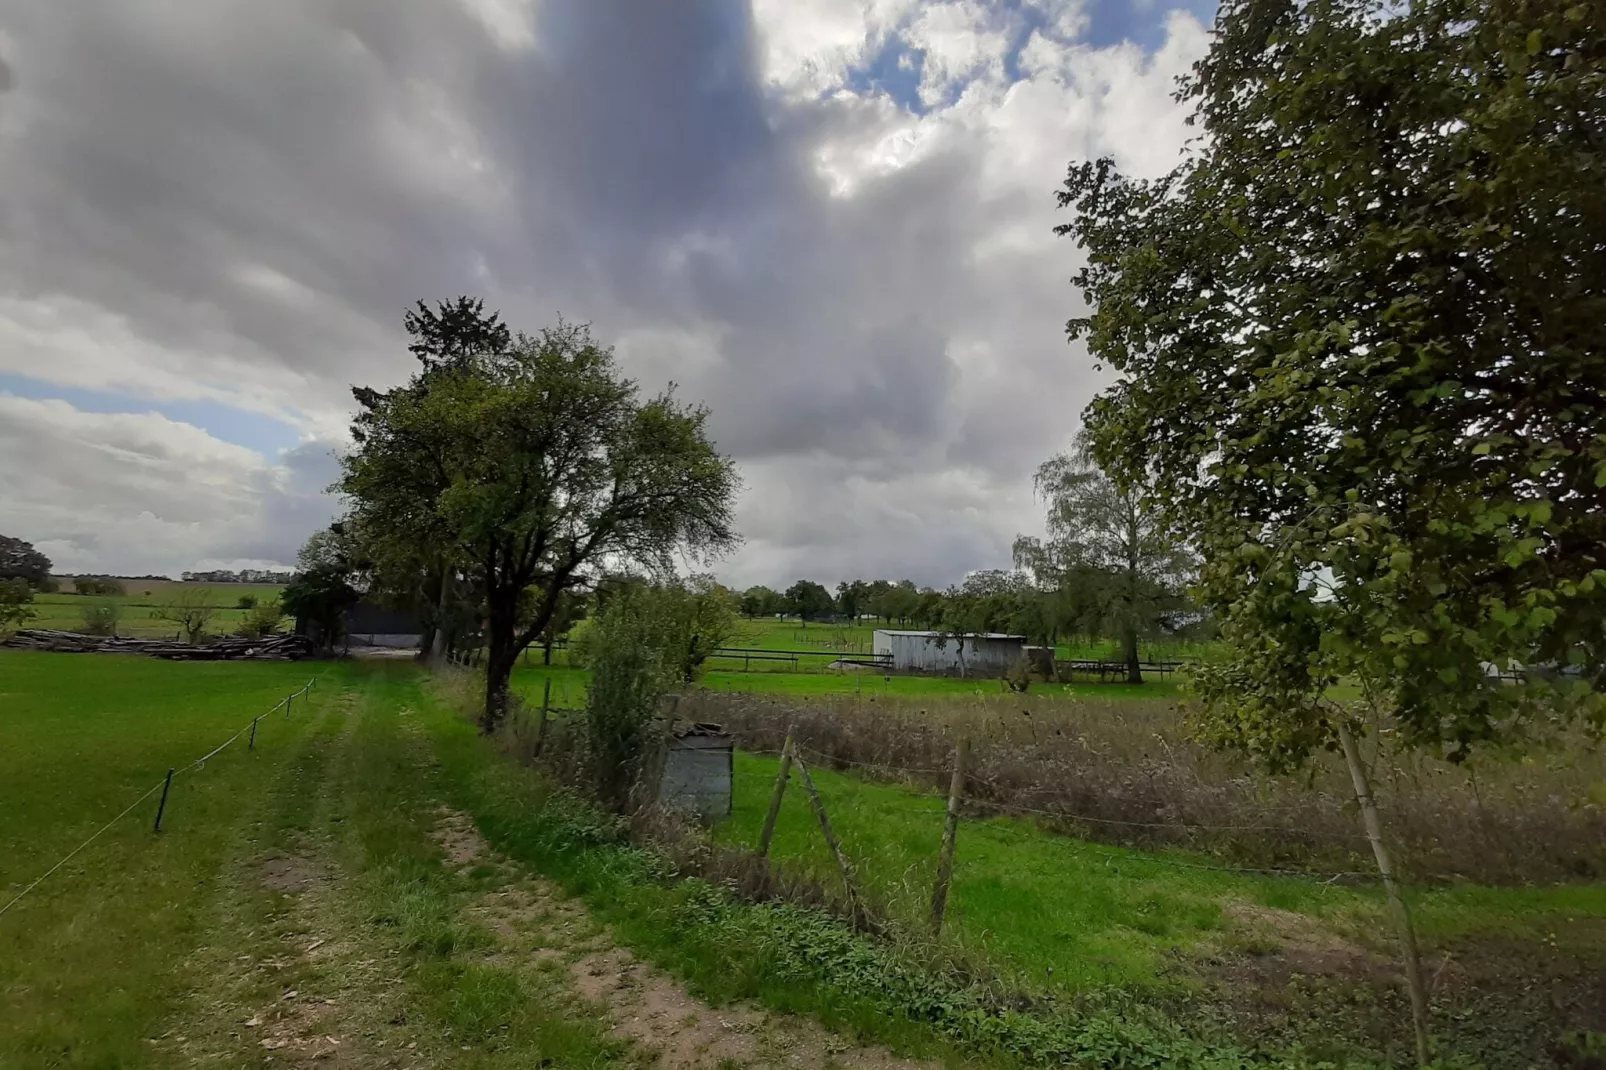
268, 648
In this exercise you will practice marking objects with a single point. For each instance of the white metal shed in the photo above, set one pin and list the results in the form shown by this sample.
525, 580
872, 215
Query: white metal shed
978, 652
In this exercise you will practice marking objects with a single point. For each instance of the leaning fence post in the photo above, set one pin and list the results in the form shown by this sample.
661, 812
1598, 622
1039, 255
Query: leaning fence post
252, 745
288, 701
781, 778
540, 728
830, 836
162, 806
945, 861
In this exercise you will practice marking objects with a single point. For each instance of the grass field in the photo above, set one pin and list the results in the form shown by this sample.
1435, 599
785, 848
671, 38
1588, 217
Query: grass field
1081, 916
64, 610
87, 960
301, 894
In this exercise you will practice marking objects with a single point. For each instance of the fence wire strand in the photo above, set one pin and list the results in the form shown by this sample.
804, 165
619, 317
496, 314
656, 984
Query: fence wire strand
191, 767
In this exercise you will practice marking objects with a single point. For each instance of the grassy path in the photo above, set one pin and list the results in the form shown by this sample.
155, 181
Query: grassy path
364, 922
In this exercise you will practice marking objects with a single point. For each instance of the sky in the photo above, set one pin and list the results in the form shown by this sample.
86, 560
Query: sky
829, 220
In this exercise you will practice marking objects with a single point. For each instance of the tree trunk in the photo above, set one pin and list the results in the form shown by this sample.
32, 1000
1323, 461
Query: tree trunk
437, 645
1129, 644
499, 659
546, 650
1402, 913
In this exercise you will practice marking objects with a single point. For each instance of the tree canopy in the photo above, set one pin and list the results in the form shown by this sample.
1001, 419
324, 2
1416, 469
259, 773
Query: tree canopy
545, 467
1107, 552
20, 561
809, 599
1360, 337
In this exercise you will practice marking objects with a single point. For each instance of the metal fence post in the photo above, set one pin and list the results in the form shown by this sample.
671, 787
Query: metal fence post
161, 807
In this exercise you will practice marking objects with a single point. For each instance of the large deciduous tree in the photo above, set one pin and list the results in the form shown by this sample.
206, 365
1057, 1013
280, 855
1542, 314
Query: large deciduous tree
549, 466
809, 599
1360, 336
20, 561
1129, 573
408, 553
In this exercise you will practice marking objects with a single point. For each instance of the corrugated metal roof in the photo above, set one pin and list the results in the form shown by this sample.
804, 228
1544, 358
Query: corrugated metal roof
966, 635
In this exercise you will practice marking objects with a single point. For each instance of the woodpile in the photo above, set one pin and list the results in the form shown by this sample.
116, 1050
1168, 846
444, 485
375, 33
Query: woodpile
268, 648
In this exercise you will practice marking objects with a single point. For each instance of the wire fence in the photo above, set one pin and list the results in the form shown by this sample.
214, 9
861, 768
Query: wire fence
914, 799
164, 785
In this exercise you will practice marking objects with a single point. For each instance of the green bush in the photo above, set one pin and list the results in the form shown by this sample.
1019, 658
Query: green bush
104, 586
101, 618
246, 601
16, 603
263, 619
629, 675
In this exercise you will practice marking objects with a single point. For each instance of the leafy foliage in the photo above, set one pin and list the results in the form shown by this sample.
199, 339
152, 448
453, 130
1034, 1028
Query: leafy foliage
809, 599
262, 619
1359, 337
762, 602
16, 602
1108, 545
101, 586
321, 591
102, 617
630, 674
541, 465
20, 561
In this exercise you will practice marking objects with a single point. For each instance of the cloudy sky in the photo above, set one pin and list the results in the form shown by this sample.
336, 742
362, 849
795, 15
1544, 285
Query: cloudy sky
828, 219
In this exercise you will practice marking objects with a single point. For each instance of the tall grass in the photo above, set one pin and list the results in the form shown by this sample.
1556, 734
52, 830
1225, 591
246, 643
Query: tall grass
1124, 771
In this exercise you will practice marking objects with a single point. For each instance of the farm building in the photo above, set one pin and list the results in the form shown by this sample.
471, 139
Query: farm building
980, 652
369, 625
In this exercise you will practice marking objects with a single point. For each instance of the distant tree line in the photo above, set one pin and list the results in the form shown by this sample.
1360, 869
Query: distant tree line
1106, 570
244, 575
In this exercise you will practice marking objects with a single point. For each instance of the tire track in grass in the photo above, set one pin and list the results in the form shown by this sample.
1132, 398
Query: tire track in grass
279, 982
533, 922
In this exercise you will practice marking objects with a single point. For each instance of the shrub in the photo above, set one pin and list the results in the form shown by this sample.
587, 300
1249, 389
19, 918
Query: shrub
191, 609
263, 619
629, 677
102, 586
102, 617
246, 601
16, 603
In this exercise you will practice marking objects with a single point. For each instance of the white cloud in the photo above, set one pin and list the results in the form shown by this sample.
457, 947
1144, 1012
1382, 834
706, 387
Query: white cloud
138, 492
235, 206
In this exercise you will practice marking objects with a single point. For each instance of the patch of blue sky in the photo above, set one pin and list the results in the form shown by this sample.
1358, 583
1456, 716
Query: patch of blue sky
252, 430
897, 68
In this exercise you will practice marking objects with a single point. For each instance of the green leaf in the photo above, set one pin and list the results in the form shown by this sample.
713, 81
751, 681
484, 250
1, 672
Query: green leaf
1535, 39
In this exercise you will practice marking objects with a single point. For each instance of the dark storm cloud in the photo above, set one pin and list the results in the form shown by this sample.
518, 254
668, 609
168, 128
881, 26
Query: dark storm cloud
259, 190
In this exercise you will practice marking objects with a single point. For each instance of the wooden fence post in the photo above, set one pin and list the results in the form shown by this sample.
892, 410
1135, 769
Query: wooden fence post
540, 728
289, 700
830, 836
950, 830
781, 778
252, 745
1402, 913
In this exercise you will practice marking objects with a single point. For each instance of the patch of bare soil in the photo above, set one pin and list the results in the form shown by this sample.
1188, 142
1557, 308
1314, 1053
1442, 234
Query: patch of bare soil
1277, 944
295, 873
534, 922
